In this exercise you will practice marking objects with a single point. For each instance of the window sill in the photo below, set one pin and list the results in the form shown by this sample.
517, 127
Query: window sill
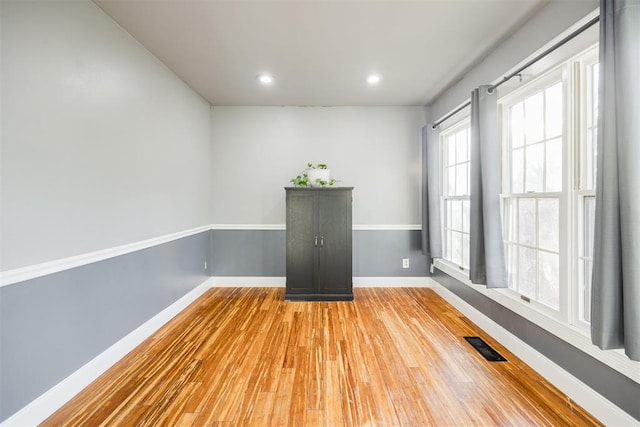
615, 359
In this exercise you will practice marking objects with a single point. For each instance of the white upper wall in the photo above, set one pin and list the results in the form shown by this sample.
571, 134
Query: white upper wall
102, 145
552, 20
257, 150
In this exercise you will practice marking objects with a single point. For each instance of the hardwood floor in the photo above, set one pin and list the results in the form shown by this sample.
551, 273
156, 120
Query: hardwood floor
393, 357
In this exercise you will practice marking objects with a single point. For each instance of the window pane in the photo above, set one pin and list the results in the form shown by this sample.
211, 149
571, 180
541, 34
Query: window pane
517, 171
534, 118
447, 245
527, 222
595, 83
554, 165
587, 161
451, 181
512, 219
527, 271
509, 219
456, 248
534, 156
465, 251
588, 230
512, 265
589, 158
548, 223
553, 110
456, 215
586, 292
461, 180
594, 157
549, 291
468, 178
451, 150
465, 216
448, 213
462, 146
589, 221
517, 125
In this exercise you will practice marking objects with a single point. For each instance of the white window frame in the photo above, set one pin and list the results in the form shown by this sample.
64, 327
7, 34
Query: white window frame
576, 123
464, 123
557, 74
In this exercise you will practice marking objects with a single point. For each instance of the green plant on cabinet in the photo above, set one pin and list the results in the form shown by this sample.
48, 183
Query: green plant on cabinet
314, 176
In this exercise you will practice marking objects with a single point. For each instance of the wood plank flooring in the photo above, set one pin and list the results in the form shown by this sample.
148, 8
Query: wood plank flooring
393, 357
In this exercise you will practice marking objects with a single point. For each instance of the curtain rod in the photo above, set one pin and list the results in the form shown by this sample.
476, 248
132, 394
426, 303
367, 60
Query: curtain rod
505, 79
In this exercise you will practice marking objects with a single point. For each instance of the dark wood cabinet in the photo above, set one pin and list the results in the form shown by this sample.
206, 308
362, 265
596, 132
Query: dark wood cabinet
319, 265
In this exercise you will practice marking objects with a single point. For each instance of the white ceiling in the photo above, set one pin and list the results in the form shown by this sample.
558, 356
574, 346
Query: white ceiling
320, 52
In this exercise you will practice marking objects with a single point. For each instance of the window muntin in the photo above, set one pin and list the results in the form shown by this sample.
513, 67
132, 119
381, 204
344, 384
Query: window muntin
456, 160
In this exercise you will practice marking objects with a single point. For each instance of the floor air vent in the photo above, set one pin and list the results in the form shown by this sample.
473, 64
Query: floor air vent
485, 349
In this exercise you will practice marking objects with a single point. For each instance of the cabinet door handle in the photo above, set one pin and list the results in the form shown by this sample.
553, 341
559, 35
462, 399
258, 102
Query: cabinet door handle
322, 241
315, 241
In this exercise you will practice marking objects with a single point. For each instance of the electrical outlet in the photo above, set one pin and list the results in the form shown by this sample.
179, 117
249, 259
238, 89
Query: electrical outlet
405, 262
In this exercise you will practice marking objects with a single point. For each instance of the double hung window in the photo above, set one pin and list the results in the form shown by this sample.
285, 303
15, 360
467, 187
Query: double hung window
533, 188
549, 134
456, 157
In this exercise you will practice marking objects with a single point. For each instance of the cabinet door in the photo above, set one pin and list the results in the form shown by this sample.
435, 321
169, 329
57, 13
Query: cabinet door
301, 251
334, 228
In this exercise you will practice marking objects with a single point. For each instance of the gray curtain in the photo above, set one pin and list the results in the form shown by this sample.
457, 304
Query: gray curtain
615, 299
486, 263
431, 232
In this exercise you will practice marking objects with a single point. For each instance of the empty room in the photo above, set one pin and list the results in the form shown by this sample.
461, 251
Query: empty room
319, 212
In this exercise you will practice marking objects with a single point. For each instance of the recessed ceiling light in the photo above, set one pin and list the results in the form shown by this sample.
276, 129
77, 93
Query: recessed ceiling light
265, 79
373, 79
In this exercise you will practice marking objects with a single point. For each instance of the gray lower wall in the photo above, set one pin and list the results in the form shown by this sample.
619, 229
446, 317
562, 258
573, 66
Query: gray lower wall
53, 325
248, 253
617, 388
376, 253
379, 253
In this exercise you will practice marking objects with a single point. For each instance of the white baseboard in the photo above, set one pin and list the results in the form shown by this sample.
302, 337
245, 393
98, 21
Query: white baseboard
247, 282
391, 282
53, 399
597, 405
358, 282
